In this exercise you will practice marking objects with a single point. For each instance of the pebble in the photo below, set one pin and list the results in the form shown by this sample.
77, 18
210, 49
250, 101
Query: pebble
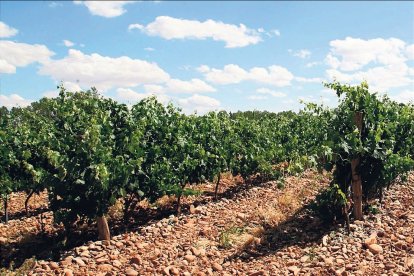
131, 272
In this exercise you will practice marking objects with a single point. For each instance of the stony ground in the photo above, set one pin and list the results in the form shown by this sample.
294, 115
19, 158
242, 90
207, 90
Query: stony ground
259, 231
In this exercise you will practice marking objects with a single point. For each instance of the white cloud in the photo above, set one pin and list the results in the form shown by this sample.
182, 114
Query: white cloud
7, 31
192, 86
103, 72
312, 64
105, 8
13, 54
175, 28
352, 54
13, 100
267, 91
380, 79
149, 49
410, 51
380, 62
303, 53
131, 96
199, 103
135, 26
68, 43
54, 4
308, 80
276, 32
231, 74
153, 88
405, 96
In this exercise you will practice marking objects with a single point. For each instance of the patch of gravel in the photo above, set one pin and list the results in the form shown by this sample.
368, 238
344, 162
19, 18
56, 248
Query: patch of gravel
260, 231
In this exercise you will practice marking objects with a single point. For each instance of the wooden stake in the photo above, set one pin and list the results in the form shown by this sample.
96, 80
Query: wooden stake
356, 177
103, 228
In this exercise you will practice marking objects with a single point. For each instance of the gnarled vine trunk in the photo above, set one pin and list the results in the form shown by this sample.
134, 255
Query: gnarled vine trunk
26, 202
356, 177
6, 210
217, 185
103, 228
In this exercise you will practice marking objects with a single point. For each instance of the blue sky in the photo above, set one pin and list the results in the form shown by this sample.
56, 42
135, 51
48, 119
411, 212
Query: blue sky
206, 55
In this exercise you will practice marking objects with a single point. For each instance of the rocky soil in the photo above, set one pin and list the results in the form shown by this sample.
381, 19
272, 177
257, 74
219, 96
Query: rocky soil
263, 230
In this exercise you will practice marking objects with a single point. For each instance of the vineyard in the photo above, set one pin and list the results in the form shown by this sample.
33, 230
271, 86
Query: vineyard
85, 155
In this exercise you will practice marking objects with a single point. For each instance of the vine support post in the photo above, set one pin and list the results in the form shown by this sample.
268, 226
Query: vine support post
217, 185
356, 177
6, 211
103, 228
26, 202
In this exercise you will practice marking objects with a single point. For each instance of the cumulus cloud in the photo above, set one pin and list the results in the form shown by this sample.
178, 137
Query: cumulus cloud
103, 72
380, 78
176, 28
199, 103
270, 92
380, 62
230, 74
405, 96
308, 80
131, 96
352, 54
7, 31
13, 100
68, 43
410, 51
13, 54
312, 64
105, 8
303, 53
192, 86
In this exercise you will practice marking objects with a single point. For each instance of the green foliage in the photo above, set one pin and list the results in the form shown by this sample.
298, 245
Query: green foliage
384, 146
88, 151
330, 203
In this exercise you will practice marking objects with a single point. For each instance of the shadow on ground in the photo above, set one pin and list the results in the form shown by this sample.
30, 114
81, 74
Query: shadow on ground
302, 229
51, 245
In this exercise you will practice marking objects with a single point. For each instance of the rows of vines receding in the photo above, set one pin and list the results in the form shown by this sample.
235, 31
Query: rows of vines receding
89, 151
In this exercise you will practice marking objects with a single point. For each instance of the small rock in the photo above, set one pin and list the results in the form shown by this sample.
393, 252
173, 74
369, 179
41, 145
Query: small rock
195, 251
105, 267
371, 240
192, 209
389, 266
375, 248
325, 240
116, 263
241, 216
190, 258
131, 272
340, 271
101, 260
53, 265
328, 261
409, 262
136, 260
3, 240
174, 271
80, 262
304, 259
217, 267
257, 273
68, 272
294, 269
